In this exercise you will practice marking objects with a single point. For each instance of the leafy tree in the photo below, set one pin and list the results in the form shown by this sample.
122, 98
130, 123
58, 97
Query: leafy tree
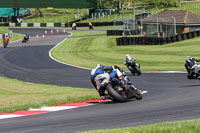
114, 4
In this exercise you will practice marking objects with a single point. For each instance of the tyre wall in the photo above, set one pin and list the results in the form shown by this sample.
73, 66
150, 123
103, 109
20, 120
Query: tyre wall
122, 32
156, 40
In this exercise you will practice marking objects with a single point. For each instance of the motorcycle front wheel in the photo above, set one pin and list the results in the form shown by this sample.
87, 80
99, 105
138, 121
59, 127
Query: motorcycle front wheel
119, 96
137, 95
4, 45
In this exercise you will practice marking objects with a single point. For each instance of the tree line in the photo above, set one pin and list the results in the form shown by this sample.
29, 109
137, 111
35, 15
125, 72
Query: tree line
118, 4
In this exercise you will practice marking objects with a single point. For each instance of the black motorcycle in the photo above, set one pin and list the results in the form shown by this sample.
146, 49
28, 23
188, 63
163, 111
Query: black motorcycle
118, 91
192, 68
25, 39
134, 67
5, 44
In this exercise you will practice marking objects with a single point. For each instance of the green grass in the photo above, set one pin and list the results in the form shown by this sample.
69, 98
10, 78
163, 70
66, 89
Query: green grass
54, 15
89, 51
17, 95
63, 15
15, 37
188, 126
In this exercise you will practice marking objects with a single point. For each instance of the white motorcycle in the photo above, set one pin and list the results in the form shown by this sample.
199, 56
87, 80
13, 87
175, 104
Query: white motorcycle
193, 68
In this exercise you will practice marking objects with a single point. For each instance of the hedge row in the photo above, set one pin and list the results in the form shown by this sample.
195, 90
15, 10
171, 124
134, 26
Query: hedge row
122, 32
156, 40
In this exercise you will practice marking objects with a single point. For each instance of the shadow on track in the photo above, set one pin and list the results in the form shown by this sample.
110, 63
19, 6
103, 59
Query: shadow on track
190, 86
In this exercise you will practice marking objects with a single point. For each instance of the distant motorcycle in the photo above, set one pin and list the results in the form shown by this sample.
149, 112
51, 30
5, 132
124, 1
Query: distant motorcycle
25, 39
134, 68
193, 68
116, 90
5, 44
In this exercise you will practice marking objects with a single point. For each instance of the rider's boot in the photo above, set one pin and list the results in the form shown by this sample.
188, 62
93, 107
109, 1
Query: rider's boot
134, 88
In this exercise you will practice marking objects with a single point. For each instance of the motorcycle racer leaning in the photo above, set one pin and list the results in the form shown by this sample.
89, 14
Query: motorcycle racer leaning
115, 72
128, 61
6, 39
195, 66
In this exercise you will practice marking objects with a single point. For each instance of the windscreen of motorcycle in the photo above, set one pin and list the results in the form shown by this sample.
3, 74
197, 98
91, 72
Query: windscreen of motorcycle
102, 79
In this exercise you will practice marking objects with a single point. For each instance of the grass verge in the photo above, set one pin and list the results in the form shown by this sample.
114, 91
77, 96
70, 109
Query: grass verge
89, 51
15, 37
188, 126
17, 95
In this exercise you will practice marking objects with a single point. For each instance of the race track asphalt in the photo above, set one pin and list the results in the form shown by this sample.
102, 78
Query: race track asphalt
170, 97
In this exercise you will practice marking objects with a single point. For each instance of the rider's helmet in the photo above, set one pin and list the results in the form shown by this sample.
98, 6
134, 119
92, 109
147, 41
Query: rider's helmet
98, 65
188, 57
127, 55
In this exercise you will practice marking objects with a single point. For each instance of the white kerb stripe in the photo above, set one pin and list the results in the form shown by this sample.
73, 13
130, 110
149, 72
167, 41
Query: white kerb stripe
9, 116
53, 108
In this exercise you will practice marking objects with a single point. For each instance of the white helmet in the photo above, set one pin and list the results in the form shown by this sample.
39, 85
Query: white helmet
98, 65
127, 56
188, 57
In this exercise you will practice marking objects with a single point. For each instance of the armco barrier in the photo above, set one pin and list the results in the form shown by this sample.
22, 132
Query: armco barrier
111, 23
156, 40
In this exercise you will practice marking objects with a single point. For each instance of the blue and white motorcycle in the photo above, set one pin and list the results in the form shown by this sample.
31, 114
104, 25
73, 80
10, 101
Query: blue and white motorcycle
119, 92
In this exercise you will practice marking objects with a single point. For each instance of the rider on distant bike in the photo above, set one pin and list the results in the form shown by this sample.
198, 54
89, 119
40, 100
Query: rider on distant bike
6, 40
114, 71
129, 61
192, 62
26, 37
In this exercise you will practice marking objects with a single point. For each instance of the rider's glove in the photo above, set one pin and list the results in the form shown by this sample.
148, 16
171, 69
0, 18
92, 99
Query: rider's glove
122, 82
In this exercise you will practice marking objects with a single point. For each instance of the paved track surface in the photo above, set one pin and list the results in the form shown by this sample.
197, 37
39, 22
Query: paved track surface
170, 96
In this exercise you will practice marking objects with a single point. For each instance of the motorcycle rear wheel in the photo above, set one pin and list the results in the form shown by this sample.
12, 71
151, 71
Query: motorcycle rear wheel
138, 71
114, 94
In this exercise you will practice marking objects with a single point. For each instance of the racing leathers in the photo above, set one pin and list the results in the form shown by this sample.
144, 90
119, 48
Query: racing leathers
27, 36
192, 62
6, 39
114, 72
129, 61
